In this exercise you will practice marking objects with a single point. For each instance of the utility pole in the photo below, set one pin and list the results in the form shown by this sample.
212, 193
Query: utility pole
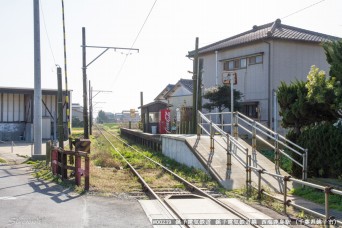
84, 69
194, 93
37, 120
199, 89
60, 108
62, 158
67, 101
90, 110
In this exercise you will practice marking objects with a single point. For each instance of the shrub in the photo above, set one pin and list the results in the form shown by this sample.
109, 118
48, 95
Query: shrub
324, 142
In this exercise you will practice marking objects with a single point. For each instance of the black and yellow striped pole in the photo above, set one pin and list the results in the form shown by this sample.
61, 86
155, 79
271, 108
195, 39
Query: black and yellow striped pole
66, 75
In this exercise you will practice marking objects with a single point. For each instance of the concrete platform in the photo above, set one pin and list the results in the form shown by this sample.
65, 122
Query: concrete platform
216, 162
203, 212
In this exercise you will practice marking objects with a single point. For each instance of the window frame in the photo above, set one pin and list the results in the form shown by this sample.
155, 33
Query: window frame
255, 59
250, 109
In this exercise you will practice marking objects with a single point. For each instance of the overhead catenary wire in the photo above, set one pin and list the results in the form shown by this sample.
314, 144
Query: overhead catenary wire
135, 40
307, 7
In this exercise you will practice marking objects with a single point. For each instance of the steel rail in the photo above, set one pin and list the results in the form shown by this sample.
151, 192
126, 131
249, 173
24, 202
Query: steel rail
142, 181
192, 188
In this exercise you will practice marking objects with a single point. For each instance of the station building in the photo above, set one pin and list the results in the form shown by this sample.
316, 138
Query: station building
16, 114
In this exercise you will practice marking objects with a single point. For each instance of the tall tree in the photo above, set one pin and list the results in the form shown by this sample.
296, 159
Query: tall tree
333, 52
219, 97
102, 117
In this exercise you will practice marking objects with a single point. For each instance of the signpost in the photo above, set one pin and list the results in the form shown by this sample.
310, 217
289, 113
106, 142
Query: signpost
227, 77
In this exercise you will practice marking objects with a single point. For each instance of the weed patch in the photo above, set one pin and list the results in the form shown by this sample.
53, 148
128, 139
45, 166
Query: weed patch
317, 196
2, 160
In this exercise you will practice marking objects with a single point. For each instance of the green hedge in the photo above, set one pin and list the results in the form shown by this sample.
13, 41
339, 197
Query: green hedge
324, 142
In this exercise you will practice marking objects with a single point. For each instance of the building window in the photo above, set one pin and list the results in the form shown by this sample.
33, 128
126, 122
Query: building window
255, 59
154, 117
250, 109
243, 63
235, 64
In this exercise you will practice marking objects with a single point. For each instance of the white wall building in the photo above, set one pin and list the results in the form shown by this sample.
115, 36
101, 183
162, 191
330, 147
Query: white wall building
180, 96
262, 58
17, 109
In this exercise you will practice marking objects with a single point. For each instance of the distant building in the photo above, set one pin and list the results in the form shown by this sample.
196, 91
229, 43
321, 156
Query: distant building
126, 116
179, 97
77, 111
16, 113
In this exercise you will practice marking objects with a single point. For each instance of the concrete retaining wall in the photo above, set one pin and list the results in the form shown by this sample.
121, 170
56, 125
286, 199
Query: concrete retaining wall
175, 147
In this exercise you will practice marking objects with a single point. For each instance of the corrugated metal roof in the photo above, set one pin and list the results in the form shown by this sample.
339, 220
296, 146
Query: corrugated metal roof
274, 30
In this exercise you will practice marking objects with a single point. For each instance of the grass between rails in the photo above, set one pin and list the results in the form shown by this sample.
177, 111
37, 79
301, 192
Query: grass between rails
2, 160
193, 175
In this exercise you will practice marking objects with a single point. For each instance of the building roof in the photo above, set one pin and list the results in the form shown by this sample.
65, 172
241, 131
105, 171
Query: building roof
270, 31
187, 83
21, 90
163, 92
154, 103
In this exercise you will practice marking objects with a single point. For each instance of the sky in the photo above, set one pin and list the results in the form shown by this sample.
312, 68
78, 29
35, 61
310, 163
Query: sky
163, 42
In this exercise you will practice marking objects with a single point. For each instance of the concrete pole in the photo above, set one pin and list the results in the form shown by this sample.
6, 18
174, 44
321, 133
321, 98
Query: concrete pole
60, 109
231, 103
37, 120
142, 117
90, 109
194, 93
85, 100
216, 81
275, 113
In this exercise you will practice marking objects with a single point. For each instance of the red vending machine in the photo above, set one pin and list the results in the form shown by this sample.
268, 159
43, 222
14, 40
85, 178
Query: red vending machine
165, 121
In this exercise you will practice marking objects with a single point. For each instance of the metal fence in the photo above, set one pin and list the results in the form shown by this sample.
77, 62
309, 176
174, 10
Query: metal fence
232, 145
279, 144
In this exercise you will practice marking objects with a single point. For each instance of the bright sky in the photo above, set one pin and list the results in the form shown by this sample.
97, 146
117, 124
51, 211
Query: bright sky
164, 41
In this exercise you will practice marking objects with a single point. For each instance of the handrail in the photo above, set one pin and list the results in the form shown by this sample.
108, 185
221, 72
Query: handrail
271, 131
326, 189
259, 131
236, 143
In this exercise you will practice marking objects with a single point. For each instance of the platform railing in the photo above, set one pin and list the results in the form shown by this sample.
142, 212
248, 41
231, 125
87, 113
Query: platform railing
232, 146
279, 144
328, 190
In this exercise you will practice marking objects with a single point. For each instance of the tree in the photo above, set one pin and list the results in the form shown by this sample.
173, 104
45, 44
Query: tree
326, 92
333, 52
219, 97
102, 117
76, 122
294, 105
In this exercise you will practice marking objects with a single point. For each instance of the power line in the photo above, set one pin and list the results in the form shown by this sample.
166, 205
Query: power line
303, 9
136, 38
46, 32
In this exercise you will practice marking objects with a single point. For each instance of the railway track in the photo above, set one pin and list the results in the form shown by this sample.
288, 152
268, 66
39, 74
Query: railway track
182, 189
